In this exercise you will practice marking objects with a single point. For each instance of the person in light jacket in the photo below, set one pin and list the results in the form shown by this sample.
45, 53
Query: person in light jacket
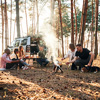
71, 55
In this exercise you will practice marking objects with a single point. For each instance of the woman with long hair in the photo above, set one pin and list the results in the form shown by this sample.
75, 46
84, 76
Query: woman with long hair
21, 52
22, 63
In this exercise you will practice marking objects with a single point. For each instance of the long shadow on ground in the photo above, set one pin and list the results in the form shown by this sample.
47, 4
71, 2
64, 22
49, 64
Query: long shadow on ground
70, 84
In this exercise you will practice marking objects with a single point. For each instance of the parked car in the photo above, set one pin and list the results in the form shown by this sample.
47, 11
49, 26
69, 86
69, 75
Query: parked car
29, 44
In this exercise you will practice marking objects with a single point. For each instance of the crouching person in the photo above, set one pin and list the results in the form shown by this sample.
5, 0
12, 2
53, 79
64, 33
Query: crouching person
42, 60
71, 55
82, 57
6, 62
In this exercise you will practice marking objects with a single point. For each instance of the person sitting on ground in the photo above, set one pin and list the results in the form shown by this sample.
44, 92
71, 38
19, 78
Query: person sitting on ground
14, 56
82, 57
71, 55
6, 62
42, 60
21, 54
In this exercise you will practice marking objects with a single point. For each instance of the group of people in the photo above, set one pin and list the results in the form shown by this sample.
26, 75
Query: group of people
12, 61
79, 56
17, 58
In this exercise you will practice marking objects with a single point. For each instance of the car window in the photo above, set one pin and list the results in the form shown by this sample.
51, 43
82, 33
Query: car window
24, 42
17, 43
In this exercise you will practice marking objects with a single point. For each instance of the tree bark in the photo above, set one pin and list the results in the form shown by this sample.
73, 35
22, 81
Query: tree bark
26, 18
2, 27
11, 22
37, 17
72, 23
17, 18
52, 12
84, 15
96, 26
60, 14
79, 40
92, 29
6, 26
57, 31
33, 18
88, 37
34, 31
75, 23
14, 29
34, 23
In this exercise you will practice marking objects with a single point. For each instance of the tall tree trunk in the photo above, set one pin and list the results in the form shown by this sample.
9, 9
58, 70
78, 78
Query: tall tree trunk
84, 15
88, 37
75, 23
34, 28
17, 18
14, 29
96, 26
92, 29
52, 12
37, 16
26, 18
60, 14
72, 23
32, 18
79, 40
34, 22
67, 43
2, 26
21, 29
57, 31
6, 26
11, 22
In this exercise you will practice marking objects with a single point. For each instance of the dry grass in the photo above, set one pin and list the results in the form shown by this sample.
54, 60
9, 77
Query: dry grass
42, 84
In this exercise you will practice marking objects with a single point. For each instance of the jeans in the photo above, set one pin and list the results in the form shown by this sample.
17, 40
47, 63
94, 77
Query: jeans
82, 62
10, 65
73, 67
20, 63
24, 63
42, 61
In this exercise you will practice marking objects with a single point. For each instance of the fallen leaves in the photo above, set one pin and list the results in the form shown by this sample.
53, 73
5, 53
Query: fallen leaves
20, 82
41, 84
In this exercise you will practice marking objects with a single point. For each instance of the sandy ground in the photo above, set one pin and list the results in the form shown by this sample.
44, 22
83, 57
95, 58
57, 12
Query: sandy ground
42, 84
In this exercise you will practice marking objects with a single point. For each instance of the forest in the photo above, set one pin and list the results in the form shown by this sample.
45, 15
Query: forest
64, 18
58, 23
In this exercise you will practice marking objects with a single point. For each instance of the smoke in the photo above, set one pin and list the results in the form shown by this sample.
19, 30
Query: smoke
48, 33
51, 41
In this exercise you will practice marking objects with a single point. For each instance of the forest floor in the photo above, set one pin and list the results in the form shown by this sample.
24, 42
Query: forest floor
42, 84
